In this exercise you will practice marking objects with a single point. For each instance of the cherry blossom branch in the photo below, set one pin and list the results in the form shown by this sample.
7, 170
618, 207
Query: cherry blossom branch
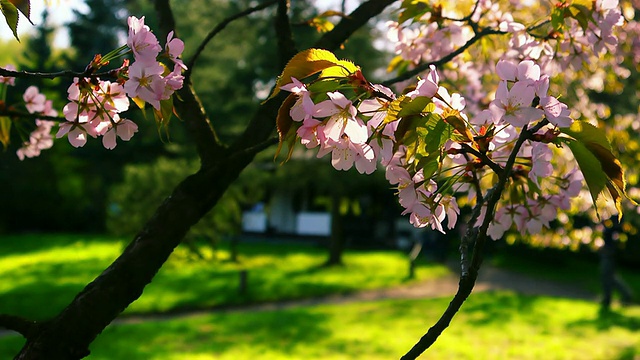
445, 59
24, 327
53, 75
33, 116
485, 159
479, 235
220, 27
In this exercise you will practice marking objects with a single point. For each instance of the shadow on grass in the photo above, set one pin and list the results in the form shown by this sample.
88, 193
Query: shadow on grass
628, 353
608, 319
212, 334
24, 244
484, 310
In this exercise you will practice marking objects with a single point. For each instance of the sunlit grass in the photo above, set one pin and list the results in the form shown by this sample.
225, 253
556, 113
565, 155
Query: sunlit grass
495, 325
40, 274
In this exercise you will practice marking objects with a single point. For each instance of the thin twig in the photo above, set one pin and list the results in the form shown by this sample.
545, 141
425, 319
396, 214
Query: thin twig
219, 28
25, 115
485, 159
467, 281
24, 327
54, 75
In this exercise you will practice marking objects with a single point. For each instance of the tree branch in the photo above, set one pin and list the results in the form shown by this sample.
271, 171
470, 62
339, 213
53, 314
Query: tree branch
54, 75
467, 281
485, 159
348, 25
445, 59
24, 327
187, 103
26, 115
190, 64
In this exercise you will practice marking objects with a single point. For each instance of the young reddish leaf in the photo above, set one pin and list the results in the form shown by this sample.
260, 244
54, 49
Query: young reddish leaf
5, 129
304, 64
461, 127
284, 120
25, 8
283, 123
10, 13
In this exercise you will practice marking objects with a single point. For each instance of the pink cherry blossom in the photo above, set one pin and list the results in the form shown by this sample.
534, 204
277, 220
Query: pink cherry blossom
112, 96
514, 105
142, 42
34, 101
541, 166
426, 87
146, 83
9, 80
123, 128
556, 112
174, 48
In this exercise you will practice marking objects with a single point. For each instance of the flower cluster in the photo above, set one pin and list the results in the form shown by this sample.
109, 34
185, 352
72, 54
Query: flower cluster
359, 129
40, 138
148, 79
94, 110
95, 105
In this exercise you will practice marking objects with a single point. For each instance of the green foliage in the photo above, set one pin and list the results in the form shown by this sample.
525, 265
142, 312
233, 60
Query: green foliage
96, 31
11, 16
598, 164
133, 201
414, 9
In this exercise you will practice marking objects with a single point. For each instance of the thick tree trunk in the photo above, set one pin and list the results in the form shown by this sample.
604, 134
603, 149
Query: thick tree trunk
69, 334
336, 240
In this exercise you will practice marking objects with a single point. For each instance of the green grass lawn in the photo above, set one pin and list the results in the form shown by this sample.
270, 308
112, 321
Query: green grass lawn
495, 325
40, 274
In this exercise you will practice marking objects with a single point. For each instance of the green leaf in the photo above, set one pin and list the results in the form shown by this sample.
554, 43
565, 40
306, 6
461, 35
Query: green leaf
163, 115
10, 13
325, 85
582, 14
343, 68
557, 18
413, 9
595, 178
25, 8
5, 129
600, 162
305, 64
416, 106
